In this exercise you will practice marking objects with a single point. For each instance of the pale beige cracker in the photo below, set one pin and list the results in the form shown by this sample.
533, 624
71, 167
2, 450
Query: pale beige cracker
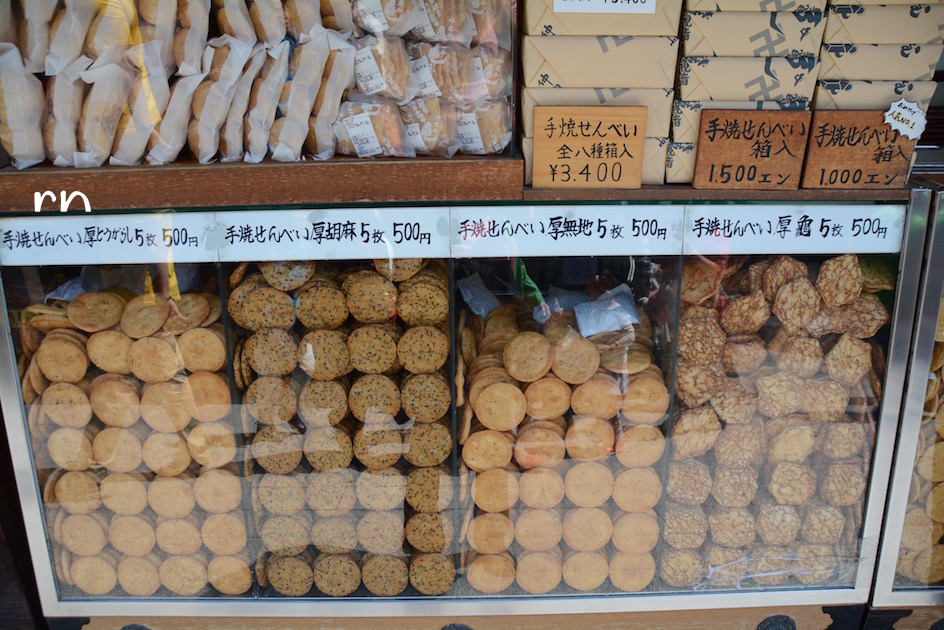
93, 311
218, 490
636, 532
171, 497
587, 529
381, 532
212, 444
67, 405
374, 398
323, 355
184, 575
588, 484
840, 280
144, 315
372, 299
631, 573
378, 445
155, 359
168, 407
287, 275
585, 570
230, 575
485, 450
116, 401
685, 526
539, 446
590, 439
323, 403
426, 397
538, 572
423, 349
190, 312
639, 446
331, 493
62, 361
271, 400
124, 493
637, 489
427, 445
117, 449
211, 396
373, 349
166, 454
495, 490
328, 448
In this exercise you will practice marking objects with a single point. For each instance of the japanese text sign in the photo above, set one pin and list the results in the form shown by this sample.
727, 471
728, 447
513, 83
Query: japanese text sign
751, 150
588, 147
856, 149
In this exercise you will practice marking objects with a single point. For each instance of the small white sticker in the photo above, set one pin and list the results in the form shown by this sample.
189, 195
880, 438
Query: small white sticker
423, 76
424, 30
906, 118
363, 135
479, 87
369, 77
470, 138
372, 16
416, 138
605, 6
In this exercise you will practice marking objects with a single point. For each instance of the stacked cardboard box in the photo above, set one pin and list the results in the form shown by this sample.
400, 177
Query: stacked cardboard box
878, 51
741, 54
602, 59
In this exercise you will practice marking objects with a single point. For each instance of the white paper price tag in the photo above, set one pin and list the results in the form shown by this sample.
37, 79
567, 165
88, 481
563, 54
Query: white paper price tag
906, 118
415, 137
470, 137
372, 16
333, 234
423, 76
369, 77
605, 6
363, 135
788, 229
480, 232
114, 239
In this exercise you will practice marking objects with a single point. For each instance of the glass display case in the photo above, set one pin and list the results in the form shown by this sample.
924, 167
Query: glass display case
908, 572
456, 410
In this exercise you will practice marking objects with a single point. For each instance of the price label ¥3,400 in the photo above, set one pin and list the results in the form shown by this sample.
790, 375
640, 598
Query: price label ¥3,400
794, 229
333, 234
107, 238
480, 232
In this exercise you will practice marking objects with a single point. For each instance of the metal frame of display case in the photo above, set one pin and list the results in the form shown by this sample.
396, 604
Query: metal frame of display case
912, 248
929, 302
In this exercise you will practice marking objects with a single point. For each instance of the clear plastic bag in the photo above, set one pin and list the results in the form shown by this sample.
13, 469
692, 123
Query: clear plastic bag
391, 18
382, 69
445, 22
448, 70
431, 126
67, 34
371, 127
484, 129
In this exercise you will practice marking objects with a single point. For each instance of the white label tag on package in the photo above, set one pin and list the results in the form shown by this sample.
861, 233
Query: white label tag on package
423, 76
906, 118
470, 138
794, 229
369, 77
372, 16
480, 232
113, 239
349, 234
415, 136
363, 135
605, 6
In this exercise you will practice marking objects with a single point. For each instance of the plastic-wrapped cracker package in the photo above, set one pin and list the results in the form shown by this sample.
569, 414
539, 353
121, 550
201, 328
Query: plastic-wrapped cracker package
148, 100
157, 23
7, 26
191, 39
371, 127
338, 15
109, 34
492, 23
33, 34
338, 77
65, 93
227, 57
67, 34
430, 125
101, 112
445, 21
484, 129
232, 16
171, 134
393, 18
231, 135
448, 70
263, 103
21, 109
268, 20
382, 69
301, 15
495, 64
307, 67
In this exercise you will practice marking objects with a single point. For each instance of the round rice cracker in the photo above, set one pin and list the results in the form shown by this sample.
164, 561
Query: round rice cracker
575, 359
323, 403
216, 309
528, 356
191, 310
372, 299
67, 405
166, 454
548, 397
501, 406
271, 400
144, 315
237, 275
425, 397
271, 352
108, 350
287, 275
211, 396
423, 349
322, 307
62, 360
94, 311
202, 350
267, 307
116, 402
155, 359
399, 269
212, 444
168, 407
239, 294
373, 349
423, 304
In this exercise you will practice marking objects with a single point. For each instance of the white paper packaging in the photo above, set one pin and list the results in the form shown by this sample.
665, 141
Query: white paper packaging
338, 77
21, 122
268, 18
231, 136
234, 20
65, 94
220, 96
171, 134
165, 24
339, 15
308, 63
69, 36
109, 34
301, 15
259, 118
148, 99
34, 33
195, 37
101, 112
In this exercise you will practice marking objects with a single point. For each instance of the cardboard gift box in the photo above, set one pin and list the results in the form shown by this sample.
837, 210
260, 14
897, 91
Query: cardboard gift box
879, 62
743, 34
762, 6
658, 101
653, 166
747, 78
540, 19
917, 24
680, 162
686, 115
588, 62
872, 94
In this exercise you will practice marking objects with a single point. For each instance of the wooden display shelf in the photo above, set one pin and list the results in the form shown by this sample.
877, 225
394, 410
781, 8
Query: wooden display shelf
338, 181
683, 193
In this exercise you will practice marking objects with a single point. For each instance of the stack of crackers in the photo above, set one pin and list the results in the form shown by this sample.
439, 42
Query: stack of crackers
129, 415
560, 435
921, 554
779, 379
347, 403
